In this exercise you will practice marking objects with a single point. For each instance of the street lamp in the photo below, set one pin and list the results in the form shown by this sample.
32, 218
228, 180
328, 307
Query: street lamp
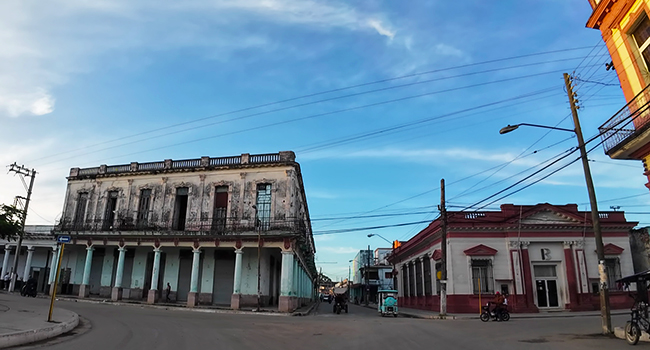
392, 250
604, 291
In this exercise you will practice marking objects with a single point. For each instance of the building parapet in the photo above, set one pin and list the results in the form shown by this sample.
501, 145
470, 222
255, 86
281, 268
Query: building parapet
185, 164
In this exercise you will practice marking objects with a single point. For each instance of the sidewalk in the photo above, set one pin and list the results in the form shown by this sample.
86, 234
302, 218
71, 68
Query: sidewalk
180, 306
24, 320
434, 315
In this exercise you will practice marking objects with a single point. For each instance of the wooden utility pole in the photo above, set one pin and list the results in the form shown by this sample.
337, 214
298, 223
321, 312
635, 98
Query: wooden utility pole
443, 249
603, 285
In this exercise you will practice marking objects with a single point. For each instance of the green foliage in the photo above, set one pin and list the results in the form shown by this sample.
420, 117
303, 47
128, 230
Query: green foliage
10, 222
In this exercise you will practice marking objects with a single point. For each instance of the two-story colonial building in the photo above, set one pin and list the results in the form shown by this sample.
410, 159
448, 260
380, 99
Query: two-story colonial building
228, 230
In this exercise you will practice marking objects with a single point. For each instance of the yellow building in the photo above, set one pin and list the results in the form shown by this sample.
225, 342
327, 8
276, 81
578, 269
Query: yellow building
625, 27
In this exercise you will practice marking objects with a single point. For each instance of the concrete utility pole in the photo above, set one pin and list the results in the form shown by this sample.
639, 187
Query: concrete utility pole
443, 250
21, 170
368, 277
603, 286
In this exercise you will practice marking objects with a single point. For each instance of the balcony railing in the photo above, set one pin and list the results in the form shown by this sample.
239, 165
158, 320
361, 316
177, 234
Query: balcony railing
209, 226
627, 122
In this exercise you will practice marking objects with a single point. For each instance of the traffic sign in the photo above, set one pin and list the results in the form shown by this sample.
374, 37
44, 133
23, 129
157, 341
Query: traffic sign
63, 239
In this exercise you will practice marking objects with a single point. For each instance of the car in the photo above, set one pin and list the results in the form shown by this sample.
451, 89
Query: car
326, 297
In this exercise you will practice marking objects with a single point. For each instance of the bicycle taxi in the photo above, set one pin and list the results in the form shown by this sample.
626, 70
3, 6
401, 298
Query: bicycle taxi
639, 320
387, 302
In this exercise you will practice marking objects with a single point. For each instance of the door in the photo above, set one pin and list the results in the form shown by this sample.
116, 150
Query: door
224, 275
184, 274
546, 286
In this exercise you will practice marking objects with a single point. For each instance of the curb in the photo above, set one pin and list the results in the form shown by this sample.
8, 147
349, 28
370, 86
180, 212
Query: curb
308, 311
30, 336
178, 308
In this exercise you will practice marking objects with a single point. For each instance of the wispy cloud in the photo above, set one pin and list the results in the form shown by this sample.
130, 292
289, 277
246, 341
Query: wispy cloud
37, 58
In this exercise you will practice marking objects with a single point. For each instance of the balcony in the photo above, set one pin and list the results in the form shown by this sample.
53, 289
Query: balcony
630, 123
204, 227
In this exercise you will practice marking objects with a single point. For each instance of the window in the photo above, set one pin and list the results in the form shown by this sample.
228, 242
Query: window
427, 276
80, 211
388, 275
109, 212
405, 283
418, 278
373, 275
412, 291
220, 209
438, 268
641, 36
482, 276
180, 208
143, 208
263, 205
613, 268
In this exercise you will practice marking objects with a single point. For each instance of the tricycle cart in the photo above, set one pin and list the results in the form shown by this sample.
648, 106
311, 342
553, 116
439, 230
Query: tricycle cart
639, 316
387, 302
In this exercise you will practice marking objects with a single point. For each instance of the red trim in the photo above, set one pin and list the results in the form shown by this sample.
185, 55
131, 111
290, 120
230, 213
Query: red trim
514, 275
571, 277
612, 249
543, 234
576, 260
528, 279
481, 250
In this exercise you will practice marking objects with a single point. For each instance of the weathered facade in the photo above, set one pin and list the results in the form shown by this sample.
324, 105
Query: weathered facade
217, 230
543, 256
625, 27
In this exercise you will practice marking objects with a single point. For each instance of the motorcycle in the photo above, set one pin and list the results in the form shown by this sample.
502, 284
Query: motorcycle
501, 315
28, 289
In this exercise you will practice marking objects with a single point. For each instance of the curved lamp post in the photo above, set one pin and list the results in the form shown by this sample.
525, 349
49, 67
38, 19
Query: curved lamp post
392, 249
604, 287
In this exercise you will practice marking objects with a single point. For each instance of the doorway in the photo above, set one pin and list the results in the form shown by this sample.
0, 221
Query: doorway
180, 208
546, 286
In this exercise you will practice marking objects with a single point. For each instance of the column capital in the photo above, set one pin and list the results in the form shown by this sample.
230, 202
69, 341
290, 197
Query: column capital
121, 249
55, 248
7, 248
31, 248
524, 244
157, 249
196, 250
579, 244
567, 244
239, 251
90, 249
287, 252
513, 245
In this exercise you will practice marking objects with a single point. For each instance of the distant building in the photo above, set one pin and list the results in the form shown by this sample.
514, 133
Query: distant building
378, 270
35, 258
191, 223
543, 256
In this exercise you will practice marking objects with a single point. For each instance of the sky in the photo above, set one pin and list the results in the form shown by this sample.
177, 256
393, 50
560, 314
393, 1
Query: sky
380, 100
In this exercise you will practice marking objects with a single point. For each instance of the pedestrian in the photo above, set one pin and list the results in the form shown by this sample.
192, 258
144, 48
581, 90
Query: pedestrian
168, 291
6, 279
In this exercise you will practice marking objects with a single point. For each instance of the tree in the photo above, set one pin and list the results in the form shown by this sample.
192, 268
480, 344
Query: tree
324, 279
10, 222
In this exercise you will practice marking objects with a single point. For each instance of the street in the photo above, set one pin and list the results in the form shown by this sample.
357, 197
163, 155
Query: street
137, 327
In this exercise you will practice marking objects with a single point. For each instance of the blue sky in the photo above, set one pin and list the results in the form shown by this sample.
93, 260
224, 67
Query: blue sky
77, 75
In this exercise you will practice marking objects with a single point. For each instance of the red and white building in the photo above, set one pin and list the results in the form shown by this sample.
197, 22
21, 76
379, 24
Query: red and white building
543, 256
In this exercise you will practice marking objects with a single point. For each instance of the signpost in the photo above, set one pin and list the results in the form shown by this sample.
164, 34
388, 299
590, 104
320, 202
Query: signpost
62, 240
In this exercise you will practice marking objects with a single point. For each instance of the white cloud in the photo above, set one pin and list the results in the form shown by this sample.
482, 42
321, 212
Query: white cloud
39, 102
377, 25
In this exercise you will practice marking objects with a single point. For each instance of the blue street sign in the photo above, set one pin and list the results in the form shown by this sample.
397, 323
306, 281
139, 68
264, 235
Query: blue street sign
63, 239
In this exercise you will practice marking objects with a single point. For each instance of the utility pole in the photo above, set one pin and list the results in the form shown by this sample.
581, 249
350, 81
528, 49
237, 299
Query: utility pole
603, 286
368, 276
21, 170
443, 250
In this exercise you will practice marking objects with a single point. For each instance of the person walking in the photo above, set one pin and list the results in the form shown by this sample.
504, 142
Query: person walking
168, 291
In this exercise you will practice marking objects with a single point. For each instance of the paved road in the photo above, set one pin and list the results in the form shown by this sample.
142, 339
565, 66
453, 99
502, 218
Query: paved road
135, 327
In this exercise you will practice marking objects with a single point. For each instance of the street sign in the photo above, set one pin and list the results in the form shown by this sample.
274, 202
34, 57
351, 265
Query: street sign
63, 239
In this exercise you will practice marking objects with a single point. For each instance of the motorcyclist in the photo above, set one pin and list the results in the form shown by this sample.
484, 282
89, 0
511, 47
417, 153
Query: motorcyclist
498, 304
